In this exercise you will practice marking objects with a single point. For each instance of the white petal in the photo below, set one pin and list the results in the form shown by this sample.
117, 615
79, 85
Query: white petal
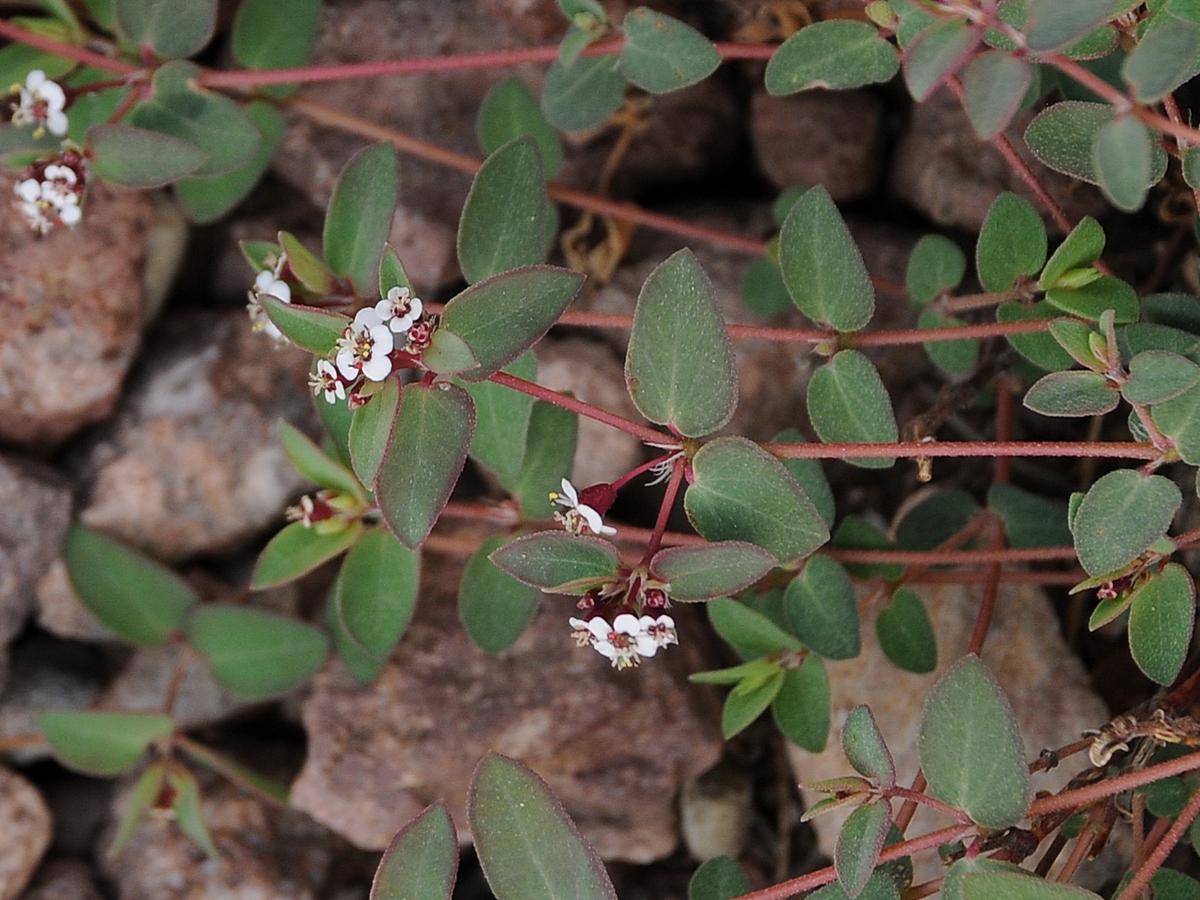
646, 645
28, 190
383, 309
34, 79
606, 530
604, 648
70, 214
573, 622
381, 340
325, 367
568, 490
666, 621
594, 522
367, 319
60, 173
377, 368
56, 122
627, 624
599, 628
345, 364
397, 293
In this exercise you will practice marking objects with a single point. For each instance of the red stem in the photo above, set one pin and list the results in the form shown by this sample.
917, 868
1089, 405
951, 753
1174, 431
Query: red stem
1117, 784
61, 48
982, 449
635, 472
925, 800
664, 510
1164, 847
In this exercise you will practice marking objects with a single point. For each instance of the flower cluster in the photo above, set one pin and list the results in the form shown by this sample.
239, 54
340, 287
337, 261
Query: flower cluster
628, 639
51, 192
41, 105
326, 511
268, 283
365, 354
579, 514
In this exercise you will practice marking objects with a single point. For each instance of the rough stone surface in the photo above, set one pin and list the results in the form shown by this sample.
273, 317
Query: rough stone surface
63, 879
831, 138
1045, 683
193, 463
144, 681
25, 830
614, 746
28, 495
943, 169
263, 852
73, 307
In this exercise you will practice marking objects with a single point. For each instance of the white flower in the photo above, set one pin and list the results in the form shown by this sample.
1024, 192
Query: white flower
580, 633
577, 517
624, 642
267, 283
41, 105
327, 379
660, 630
364, 347
46, 204
399, 310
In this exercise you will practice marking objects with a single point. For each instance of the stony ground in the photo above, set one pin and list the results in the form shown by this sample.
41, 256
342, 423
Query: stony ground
134, 398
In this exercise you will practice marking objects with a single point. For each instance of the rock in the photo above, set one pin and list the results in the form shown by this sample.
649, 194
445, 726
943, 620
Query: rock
62, 613
943, 169
25, 830
28, 495
590, 371
263, 852
73, 310
145, 680
715, 812
1045, 683
614, 746
63, 879
193, 462
831, 138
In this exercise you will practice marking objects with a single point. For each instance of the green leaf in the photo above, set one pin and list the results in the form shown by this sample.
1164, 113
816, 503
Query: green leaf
822, 266
360, 215
1162, 60
493, 606
139, 158
309, 269
101, 743
391, 273
1108, 610
18, 60
1052, 24
1161, 614
549, 454
1158, 375
1092, 299
821, 609
742, 493
905, 633
171, 29
1179, 419
255, 654
423, 458
503, 316
679, 367
748, 700
1168, 884
1121, 515
953, 357
573, 9
859, 843
952, 883
1012, 242
856, 533
837, 53
711, 570
762, 288
1038, 347
371, 429
1075, 393
749, 631
210, 121
527, 845
810, 476
935, 54
719, 878
1062, 137
314, 464
185, 805
880, 886
207, 199
146, 790
936, 518
421, 862
994, 83
298, 549
1029, 520
309, 328
1080, 248
502, 420
970, 748
1019, 886
662, 54
18, 147
448, 354
553, 560
504, 218
1121, 160
1191, 166
271, 35
142, 601
1078, 338
583, 95
801, 708
363, 665
936, 264
758, 668
865, 748
509, 110
848, 402
376, 591
1141, 336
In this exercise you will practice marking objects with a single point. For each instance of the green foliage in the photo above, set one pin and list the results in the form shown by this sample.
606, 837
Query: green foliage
994, 84
360, 216
271, 35
952, 357
1161, 614
421, 862
936, 264
712, 570
509, 110
1121, 515
748, 631
376, 591
371, 430
1162, 60
934, 54
170, 29
1012, 242
836, 53
583, 95
315, 464
494, 606
1029, 520
822, 610
749, 699
140, 158
810, 476
502, 418
298, 549
101, 743
662, 54
905, 633
801, 707
312, 329
865, 748
549, 454
847, 401
1062, 136
558, 562
1072, 394
859, 843
1121, 159
719, 878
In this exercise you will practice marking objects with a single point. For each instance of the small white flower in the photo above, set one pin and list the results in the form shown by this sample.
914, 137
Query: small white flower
364, 347
660, 630
41, 105
326, 379
624, 642
577, 517
45, 205
399, 310
267, 283
580, 633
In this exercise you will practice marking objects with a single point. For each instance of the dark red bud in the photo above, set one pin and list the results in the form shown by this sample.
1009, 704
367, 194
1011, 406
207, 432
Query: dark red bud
598, 496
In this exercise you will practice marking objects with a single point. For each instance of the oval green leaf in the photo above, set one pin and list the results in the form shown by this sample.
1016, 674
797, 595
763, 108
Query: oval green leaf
1029, 520
822, 610
552, 559
1018, 885
549, 455
1161, 616
712, 570
139, 158
935, 265
742, 493
1121, 158
493, 607
1121, 515
801, 708
748, 700
810, 476
1179, 419
970, 748
421, 862
679, 367
267, 34
359, 217
1052, 24
848, 402
101, 743
1062, 137
376, 591
994, 83
527, 844
935, 54
749, 631
312, 329
837, 54
502, 420
298, 549
954, 357
858, 845
583, 95
1012, 242
865, 748
255, 654
1162, 60
314, 464
1038, 347
1158, 375
509, 110
423, 458
662, 54
171, 29
371, 429
1092, 299
719, 878
1075, 393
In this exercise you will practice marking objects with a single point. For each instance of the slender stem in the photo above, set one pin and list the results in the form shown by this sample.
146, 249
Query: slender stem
533, 389
909, 809
664, 510
1117, 784
1158, 856
982, 449
1189, 537
968, 302
925, 800
62, 48
946, 333
638, 470
1082, 844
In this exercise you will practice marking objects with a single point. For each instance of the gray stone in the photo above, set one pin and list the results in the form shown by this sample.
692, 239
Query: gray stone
614, 746
63, 879
25, 830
